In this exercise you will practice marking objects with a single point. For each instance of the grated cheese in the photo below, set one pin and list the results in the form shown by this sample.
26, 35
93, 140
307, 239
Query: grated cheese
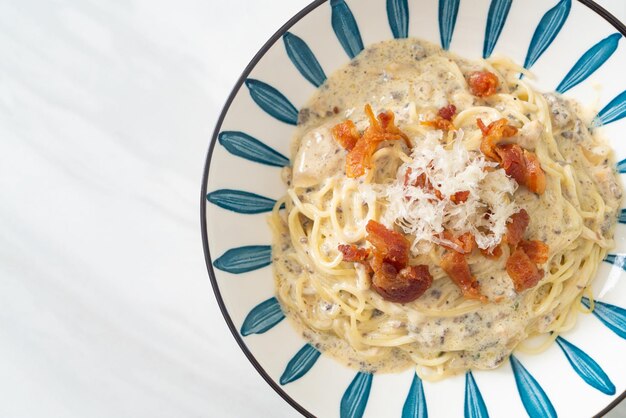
424, 217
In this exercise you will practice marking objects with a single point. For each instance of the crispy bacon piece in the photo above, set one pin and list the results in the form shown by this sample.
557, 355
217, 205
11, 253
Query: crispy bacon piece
522, 270
460, 197
360, 157
485, 129
498, 129
516, 226
535, 176
449, 236
390, 246
495, 253
492, 134
512, 161
381, 129
443, 120
447, 112
522, 263
346, 134
523, 166
520, 164
422, 182
455, 265
439, 123
482, 83
425, 184
537, 251
407, 176
401, 286
464, 243
353, 253
393, 278
390, 130
468, 243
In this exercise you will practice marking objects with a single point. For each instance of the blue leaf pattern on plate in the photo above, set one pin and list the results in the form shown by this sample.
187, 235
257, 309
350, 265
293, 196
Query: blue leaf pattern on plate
355, 398
474, 404
548, 28
300, 364
498, 12
589, 62
448, 11
262, 317
272, 101
618, 260
415, 404
586, 367
621, 167
535, 400
398, 15
304, 60
244, 259
345, 28
610, 315
245, 146
615, 110
240, 201
622, 216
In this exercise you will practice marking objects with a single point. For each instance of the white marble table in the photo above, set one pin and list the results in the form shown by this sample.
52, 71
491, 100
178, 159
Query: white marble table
106, 110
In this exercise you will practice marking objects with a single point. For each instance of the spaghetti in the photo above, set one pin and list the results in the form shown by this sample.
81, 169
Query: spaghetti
441, 332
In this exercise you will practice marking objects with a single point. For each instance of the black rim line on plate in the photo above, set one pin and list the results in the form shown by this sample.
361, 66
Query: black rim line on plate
205, 177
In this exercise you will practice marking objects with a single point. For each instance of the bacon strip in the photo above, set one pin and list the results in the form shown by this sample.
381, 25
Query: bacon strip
468, 243
482, 83
455, 265
522, 263
393, 278
522, 270
492, 134
439, 123
516, 227
360, 154
512, 161
535, 176
537, 251
346, 134
360, 157
447, 112
401, 286
353, 253
388, 126
520, 164
495, 253
460, 197
464, 243
407, 176
389, 245
422, 182
523, 166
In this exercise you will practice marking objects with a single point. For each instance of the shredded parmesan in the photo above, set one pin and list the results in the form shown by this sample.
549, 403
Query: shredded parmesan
424, 216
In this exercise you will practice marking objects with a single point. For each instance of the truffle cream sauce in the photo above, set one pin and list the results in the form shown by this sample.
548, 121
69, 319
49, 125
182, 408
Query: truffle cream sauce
412, 79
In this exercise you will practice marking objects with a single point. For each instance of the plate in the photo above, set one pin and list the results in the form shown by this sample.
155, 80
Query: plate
573, 47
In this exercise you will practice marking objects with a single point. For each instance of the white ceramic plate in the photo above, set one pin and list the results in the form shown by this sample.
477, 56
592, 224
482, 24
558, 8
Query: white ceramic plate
572, 46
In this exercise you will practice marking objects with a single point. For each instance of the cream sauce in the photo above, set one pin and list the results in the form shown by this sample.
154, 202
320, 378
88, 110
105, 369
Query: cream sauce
412, 78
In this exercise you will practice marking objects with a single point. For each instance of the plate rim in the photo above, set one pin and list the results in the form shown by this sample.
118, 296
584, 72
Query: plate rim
591, 4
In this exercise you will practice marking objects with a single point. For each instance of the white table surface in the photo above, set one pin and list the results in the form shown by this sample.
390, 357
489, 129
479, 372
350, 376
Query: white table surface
106, 111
